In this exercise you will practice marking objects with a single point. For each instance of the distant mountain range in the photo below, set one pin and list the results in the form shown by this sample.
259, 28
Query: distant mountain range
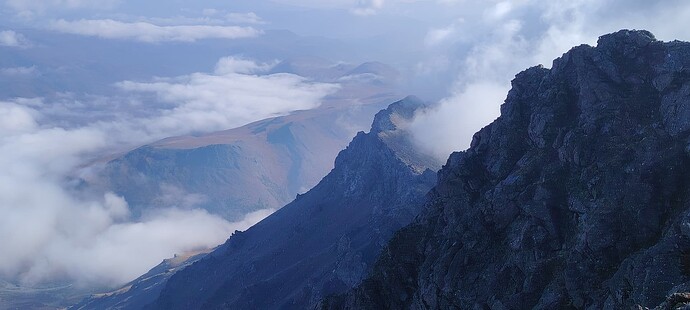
263, 165
58, 63
231, 173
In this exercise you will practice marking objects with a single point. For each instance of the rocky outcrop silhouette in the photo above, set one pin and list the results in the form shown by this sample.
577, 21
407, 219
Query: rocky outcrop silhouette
577, 196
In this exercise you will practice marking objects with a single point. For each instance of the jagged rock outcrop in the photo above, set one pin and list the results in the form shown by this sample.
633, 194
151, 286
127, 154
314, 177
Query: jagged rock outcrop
577, 196
326, 240
678, 301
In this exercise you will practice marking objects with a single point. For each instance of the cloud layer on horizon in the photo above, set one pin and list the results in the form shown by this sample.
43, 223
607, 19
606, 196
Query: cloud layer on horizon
51, 230
236, 93
148, 32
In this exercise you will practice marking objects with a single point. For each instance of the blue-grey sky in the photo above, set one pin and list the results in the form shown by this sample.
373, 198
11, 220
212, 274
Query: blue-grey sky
428, 40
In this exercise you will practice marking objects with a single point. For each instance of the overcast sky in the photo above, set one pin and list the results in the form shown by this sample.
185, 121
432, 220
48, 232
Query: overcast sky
459, 53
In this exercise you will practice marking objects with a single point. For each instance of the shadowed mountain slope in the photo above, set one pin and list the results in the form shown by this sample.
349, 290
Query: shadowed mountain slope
577, 196
231, 173
322, 243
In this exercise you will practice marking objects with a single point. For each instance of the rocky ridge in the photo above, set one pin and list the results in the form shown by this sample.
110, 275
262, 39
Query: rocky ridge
577, 196
231, 173
326, 240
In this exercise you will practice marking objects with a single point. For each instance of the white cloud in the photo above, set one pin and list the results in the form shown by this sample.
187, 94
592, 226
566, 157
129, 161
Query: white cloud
31, 9
477, 94
368, 7
437, 36
244, 18
230, 65
147, 32
19, 71
450, 125
13, 39
231, 96
48, 234
498, 39
16, 119
42, 5
500, 10
101, 251
237, 91
317, 3
51, 231
432, 65
210, 17
174, 196
210, 12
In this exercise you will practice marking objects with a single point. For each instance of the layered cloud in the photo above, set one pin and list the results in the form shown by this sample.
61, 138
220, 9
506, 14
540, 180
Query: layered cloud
147, 32
234, 94
244, 18
49, 235
32, 9
43, 5
51, 230
11, 38
368, 7
19, 71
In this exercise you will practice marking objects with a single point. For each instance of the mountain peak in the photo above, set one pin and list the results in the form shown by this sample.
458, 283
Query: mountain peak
575, 197
390, 118
625, 37
325, 240
390, 127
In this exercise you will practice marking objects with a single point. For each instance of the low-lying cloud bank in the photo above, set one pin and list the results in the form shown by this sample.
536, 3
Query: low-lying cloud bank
52, 231
237, 91
234, 94
147, 32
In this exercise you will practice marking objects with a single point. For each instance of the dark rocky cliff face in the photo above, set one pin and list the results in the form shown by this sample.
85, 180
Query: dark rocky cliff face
577, 196
326, 240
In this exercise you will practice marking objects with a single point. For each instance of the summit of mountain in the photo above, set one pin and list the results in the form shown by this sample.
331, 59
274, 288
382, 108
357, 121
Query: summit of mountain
575, 197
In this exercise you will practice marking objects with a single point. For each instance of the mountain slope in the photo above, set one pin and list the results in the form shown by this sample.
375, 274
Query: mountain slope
262, 165
577, 196
321, 243
141, 291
